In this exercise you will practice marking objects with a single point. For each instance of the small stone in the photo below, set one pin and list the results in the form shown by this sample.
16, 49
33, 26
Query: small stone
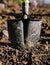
24, 62
7, 63
38, 43
0, 18
14, 58
0, 62
46, 47
5, 32
17, 52
2, 5
29, 44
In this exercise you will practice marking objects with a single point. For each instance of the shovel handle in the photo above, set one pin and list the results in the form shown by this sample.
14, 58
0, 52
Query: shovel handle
25, 8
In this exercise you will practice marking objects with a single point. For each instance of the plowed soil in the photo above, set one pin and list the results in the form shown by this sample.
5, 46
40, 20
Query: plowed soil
37, 55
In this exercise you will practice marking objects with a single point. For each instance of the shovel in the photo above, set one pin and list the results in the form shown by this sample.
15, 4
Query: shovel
24, 30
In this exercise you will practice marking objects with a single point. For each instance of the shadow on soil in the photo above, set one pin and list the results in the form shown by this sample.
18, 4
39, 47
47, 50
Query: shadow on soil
12, 45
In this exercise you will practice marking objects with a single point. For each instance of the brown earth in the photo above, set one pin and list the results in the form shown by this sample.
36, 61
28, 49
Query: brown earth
39, 54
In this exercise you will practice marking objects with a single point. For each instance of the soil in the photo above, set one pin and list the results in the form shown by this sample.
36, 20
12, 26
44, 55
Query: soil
39, 54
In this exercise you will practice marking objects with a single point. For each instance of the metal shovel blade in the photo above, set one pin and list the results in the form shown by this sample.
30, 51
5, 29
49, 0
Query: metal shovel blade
34, 30
15, 29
